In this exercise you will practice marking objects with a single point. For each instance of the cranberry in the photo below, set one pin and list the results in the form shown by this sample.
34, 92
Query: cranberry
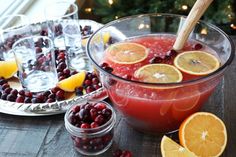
85, 126
89, 89
96, 86
38, 49
108, 69
94, 125
84, 114
100, 106
5, 85
66, 72
50, 100
172, 53
197, 46
87, 83
20, 99
4, 96
52, 96
11, 98
99, 119
55, 89
22, 92
117, 153
127, 77
8, 90
95, 80
61, 66
126, 153
2, 81
28, 94
106, 112
28, 100
76, 109
14, 92
46, 93
93, 113
60, 95
156, 60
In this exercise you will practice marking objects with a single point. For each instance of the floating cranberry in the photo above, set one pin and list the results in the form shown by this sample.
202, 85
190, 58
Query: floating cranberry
197, 46
156, 60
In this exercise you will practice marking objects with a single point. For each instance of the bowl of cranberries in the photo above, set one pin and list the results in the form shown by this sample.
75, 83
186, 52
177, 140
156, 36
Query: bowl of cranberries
91, 125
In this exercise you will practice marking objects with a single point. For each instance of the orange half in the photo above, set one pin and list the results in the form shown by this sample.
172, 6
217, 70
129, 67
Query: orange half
158, 73
127, 53
204, 134
196, 62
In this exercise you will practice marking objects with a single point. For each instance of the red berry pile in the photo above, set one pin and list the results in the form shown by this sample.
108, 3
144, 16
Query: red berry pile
120, 153
91, 116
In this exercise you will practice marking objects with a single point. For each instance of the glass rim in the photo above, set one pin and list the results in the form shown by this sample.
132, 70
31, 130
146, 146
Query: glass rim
32, 37
99, 130
26, 22
203, 78
60, 16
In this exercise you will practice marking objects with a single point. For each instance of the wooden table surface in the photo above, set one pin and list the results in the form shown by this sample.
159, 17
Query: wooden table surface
47, 136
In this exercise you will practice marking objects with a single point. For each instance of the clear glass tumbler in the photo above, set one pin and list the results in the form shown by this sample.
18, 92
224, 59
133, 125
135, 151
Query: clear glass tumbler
12, 28
35, 59
64, 29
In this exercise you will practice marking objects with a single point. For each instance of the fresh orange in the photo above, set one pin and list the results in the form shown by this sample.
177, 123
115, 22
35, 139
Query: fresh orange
204, 134
8, 68
158, 73
69, 84
170, 148
196, 62
127, 53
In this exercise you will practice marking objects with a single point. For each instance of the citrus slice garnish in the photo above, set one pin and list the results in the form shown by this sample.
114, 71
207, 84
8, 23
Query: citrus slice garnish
8, 68
170, 148
196, 62
69, 84
158, 73
127, 53
204, 134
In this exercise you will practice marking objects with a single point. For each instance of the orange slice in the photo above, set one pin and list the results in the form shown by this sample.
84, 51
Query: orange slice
127, 53
8, 68
204, 134
170, 148
158, 73
196, 62
69, 84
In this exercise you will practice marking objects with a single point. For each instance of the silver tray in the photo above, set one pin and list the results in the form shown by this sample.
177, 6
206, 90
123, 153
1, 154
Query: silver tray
44, 109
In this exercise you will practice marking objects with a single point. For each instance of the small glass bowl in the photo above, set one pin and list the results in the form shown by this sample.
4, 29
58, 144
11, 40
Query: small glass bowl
91, 141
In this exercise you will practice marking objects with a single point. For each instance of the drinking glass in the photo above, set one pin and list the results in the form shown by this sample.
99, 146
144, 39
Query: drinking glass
36, 63
12, 28
64, 29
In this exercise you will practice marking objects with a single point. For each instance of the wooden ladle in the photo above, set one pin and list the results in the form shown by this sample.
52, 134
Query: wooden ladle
195, 14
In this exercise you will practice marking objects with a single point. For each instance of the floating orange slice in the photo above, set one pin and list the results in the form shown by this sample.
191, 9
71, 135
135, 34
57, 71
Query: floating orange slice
170, 148
69, 84
158, 73
8, 68
196, 62
204, 134
127, 53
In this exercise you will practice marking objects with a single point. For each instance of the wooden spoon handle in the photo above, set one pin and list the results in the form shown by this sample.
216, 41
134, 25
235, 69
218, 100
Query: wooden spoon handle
195, 14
